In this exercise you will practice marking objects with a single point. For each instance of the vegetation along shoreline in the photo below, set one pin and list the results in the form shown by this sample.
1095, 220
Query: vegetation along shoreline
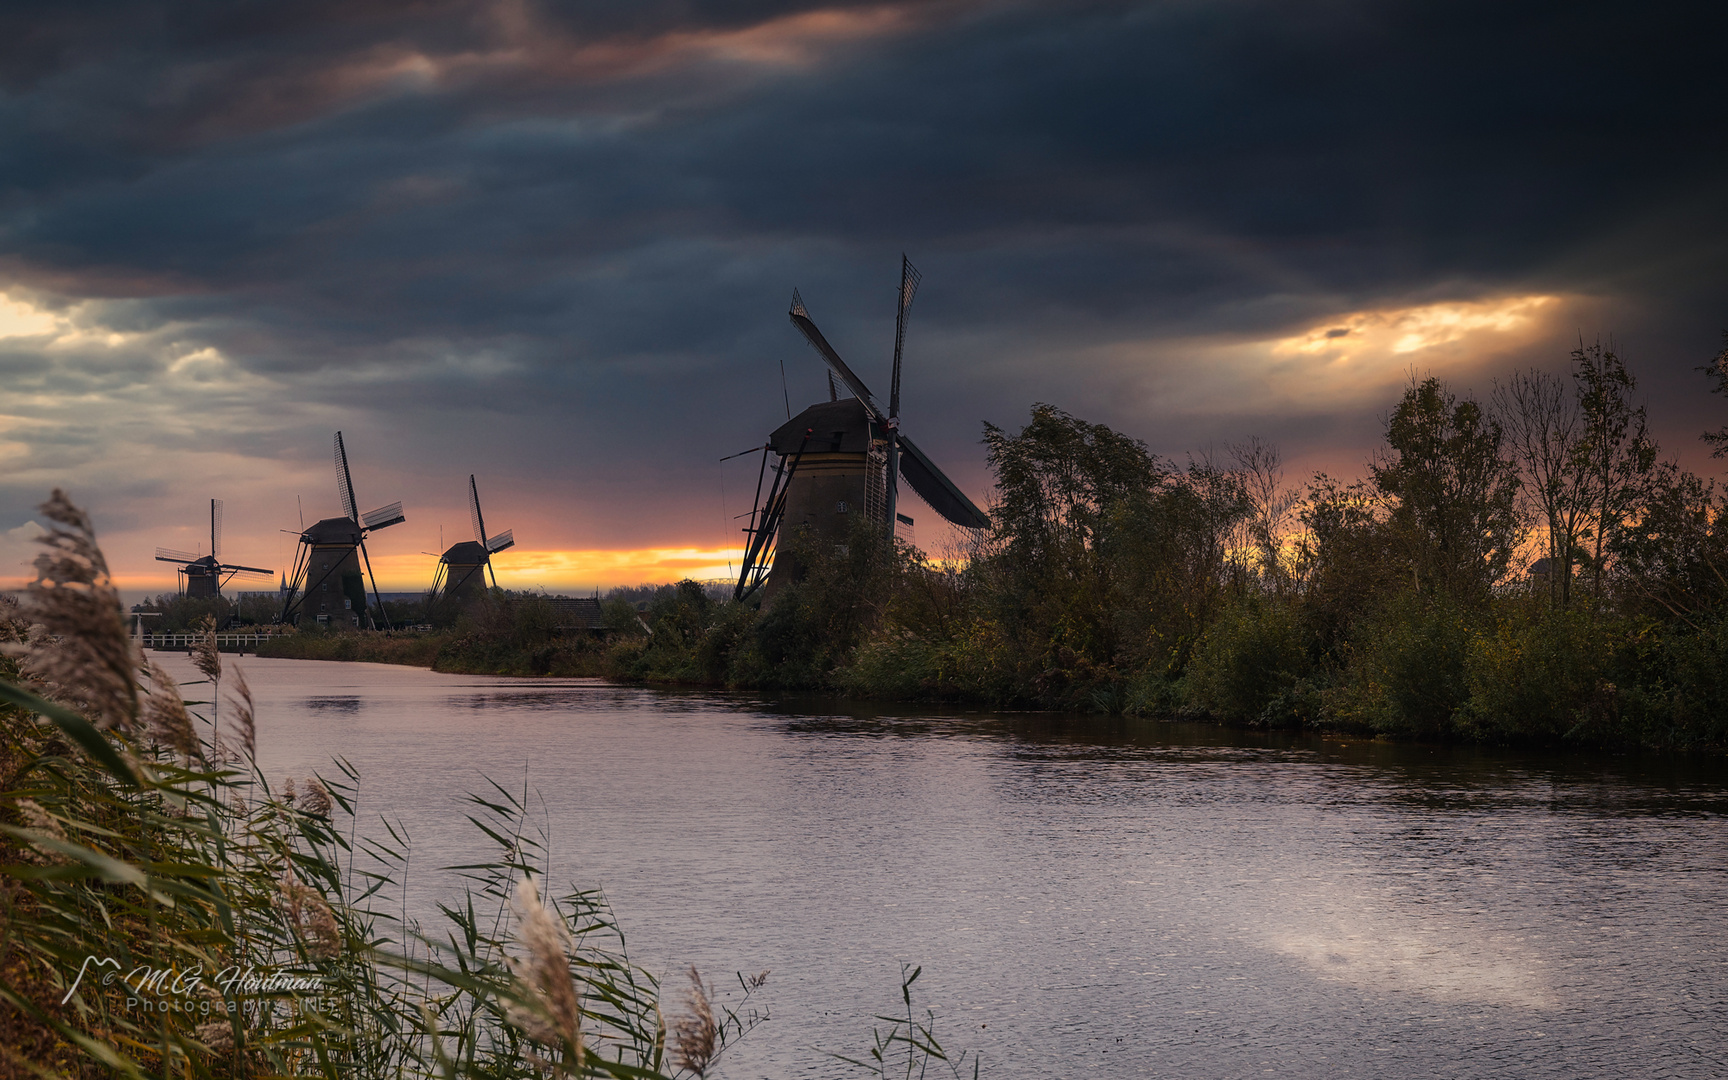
1524, 569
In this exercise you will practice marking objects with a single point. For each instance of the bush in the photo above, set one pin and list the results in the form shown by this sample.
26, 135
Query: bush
1539, 676
1407, 670
1675, 687
1252, 656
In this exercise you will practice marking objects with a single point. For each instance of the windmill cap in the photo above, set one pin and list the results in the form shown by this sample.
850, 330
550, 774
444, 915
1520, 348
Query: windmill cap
824, 421
467, 553
340, 530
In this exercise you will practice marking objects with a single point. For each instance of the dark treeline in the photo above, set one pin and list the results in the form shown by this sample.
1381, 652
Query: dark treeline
1527, 567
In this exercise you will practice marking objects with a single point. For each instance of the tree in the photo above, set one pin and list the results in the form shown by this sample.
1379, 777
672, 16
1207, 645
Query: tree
1673, 551
1067, 492
1453, 491
1616, 457
1545, 433
1717, 370
1260, 467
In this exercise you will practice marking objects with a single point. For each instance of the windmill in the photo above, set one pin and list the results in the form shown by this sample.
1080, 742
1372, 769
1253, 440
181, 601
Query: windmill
204, 575
463, 568
844, 457
327, 581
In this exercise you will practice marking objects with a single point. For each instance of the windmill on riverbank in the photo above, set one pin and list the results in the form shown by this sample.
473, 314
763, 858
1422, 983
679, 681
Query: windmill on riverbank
842, 458
463, 569
204, 575
327, 581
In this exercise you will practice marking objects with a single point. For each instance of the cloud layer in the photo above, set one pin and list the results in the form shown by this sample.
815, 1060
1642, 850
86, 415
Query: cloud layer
552, 244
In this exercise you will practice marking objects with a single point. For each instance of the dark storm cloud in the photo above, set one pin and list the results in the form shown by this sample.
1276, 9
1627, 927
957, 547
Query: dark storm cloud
569, 229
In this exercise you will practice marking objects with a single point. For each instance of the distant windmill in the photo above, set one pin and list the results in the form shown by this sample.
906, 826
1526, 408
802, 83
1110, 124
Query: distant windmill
327, 581
842, 458
204, 575
460, 576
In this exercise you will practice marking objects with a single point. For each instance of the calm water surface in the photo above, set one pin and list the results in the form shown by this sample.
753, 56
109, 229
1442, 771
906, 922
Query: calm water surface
1087, 897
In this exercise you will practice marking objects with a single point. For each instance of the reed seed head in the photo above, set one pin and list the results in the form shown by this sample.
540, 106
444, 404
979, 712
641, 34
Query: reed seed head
545, 973
39, 819
316, 801
218, 1035
245, 715
166, 717
205, 656
79, 650
288, 794
311, 918
35, 817
696, 1034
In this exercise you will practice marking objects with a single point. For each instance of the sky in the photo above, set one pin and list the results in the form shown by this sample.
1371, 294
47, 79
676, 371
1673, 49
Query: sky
553, 245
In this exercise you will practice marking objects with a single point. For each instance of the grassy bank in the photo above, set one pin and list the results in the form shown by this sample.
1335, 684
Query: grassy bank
455, 651
372, 647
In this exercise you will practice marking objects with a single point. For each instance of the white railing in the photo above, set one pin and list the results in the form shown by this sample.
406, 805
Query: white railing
228, 640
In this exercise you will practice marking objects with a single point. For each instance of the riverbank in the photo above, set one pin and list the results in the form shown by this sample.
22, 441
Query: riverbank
449, 652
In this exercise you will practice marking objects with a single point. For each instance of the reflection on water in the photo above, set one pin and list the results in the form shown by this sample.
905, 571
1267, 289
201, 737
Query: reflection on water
339, 704
1086, 895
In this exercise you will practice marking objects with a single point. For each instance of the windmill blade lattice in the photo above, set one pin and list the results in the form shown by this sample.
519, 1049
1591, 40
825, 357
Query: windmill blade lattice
806, 326
345, 482
474, 516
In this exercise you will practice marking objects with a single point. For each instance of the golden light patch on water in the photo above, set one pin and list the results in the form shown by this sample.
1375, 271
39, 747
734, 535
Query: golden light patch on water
1387, 952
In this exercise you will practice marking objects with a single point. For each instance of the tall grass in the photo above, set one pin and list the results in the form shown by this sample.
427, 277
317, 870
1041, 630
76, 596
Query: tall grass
168, 911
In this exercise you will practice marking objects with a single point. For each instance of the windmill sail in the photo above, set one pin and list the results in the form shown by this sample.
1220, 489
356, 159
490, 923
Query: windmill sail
909, 279
170, 555
345, 482
503, 540
934, 487
216, 529
474, 517
383, 517
801, 319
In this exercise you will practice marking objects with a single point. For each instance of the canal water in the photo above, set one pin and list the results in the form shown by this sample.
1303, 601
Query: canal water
1086, 897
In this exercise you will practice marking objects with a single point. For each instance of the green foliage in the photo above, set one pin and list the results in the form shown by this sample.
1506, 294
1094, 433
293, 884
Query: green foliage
1674, 686
1540, 675
1251, 660
1407, 670
1346, 561
1103, 563
1671, 553
1452, 490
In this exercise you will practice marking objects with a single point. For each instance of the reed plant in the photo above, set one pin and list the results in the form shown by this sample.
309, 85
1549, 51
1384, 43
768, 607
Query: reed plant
168, 911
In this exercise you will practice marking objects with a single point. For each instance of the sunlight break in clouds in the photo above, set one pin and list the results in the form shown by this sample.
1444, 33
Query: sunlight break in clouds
20, 318
1398, 332
1344, 362
570, 571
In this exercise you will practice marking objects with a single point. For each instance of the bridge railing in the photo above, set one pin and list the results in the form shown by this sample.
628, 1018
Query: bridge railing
229, 640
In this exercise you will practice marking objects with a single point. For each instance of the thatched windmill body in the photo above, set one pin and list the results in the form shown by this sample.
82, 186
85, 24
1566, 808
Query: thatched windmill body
331, 565
842, 458
204, 575
464, 567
